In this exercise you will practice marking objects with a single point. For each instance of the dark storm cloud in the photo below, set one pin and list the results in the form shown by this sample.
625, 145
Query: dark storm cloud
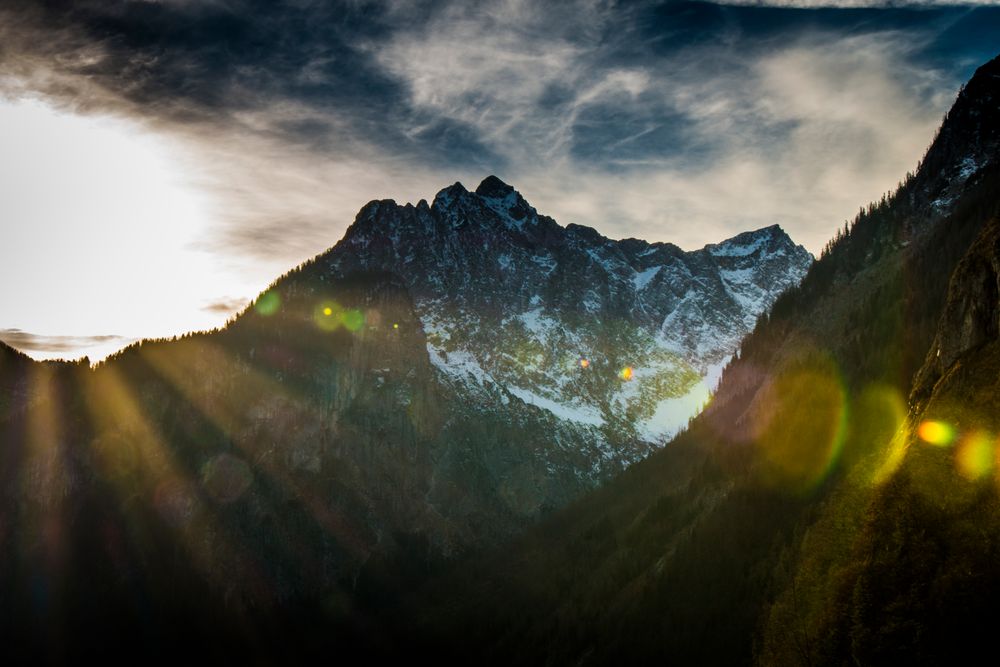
302, 110
209, 62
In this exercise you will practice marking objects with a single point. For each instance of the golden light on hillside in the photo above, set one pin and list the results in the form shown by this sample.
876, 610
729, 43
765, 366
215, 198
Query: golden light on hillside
227, 476
47, 487
132, 455
877, 419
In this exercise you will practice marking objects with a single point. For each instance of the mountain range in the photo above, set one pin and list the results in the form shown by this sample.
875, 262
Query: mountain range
437, 381
446, 437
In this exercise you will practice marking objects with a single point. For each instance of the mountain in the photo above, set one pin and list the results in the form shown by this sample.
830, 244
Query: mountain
836, 503
411, 397
393, 452
518, 308
556, 357
353, 466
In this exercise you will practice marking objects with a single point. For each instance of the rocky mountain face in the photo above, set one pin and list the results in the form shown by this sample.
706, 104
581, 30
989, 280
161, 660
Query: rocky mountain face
554, 357
618, 340
836, 503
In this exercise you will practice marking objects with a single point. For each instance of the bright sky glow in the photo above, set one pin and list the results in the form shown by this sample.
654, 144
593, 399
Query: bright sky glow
99, 231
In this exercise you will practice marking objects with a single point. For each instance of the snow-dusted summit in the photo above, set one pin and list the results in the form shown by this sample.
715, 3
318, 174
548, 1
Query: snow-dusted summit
618, 340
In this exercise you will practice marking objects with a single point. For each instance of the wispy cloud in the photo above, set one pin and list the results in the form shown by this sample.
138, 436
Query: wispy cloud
229, 306
683, 144
63, 347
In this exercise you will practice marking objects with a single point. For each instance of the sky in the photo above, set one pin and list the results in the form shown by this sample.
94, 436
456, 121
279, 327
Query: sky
162, 161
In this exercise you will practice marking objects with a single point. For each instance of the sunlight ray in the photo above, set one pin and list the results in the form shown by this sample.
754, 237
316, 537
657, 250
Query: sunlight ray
132, 455
45, 480
238, 414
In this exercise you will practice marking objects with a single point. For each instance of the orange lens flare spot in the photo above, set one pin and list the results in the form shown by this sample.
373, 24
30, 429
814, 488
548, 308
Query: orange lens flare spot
936, 433
626, 373
584, 363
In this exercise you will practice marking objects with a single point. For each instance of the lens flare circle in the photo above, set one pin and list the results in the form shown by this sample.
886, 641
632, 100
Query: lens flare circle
938, 433
226, 478
175, 502
352, 319
268, 303
802, 417
877, 420
328, 315
975, 456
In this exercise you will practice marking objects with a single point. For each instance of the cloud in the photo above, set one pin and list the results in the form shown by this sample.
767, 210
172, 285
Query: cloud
856, 4
229, 306
42, 346
688, 144
802, 136
295, 114
681, 121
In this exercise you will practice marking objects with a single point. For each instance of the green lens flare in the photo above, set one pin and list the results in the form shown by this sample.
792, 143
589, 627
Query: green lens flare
268, 304
353, 319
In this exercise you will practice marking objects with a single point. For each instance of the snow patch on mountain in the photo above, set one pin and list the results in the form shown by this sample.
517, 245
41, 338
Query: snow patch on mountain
641, 279
458, 363
573, 413
672, 414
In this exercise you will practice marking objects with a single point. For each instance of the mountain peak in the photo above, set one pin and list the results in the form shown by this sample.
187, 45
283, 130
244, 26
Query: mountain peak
967, 140
771, 239
494, 188
506, 201
453, 192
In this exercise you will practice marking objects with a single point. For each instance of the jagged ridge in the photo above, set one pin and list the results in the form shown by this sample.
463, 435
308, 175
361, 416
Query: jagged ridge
510, 299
